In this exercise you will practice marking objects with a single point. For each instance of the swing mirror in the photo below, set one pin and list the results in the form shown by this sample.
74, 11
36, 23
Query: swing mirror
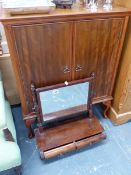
64, 99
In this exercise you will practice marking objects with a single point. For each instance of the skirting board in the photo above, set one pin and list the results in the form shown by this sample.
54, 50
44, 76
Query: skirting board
118, 119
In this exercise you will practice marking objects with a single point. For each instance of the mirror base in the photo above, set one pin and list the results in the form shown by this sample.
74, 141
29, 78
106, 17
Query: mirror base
68, 136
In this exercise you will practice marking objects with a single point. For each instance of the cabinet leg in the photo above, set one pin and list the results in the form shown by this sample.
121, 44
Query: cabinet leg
107, 107
29, 123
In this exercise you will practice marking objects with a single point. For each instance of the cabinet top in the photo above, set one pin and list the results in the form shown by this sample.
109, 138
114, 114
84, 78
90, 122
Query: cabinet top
71, 14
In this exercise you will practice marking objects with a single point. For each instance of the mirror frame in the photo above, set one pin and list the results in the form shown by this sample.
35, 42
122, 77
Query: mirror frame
37, 103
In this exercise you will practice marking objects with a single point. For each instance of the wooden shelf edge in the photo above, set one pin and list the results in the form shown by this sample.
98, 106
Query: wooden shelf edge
102, 99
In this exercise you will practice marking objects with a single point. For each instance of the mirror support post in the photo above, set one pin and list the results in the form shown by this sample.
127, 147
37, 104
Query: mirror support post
35, 108
91, 95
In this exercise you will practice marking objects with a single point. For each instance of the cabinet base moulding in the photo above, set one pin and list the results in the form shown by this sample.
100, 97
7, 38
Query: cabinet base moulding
118, 119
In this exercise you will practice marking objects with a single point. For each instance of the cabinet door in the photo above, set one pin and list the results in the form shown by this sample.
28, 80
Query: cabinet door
44, 53
96, 47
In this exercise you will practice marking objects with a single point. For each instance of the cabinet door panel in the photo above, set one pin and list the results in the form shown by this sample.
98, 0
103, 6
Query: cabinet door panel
43, 53
96, 47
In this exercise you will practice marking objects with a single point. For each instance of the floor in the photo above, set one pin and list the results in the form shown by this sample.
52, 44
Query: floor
109, 157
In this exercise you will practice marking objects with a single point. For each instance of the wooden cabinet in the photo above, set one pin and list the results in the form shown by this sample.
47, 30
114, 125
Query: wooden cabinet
44, 55
96, 50
67, 45
120, 111
44, 52
63, 46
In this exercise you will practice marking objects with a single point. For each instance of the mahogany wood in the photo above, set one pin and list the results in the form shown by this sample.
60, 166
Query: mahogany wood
66, 45
64, 14
68, 132
98, 41
29, 123
49, 54
66, 112
72, 146
70, 83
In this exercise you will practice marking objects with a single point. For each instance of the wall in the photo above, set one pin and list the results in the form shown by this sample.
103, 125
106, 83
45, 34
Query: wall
7, 71
9, 79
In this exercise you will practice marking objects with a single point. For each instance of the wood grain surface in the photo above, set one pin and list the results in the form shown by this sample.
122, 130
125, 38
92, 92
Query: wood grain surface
121, 105
66, 45
67, 132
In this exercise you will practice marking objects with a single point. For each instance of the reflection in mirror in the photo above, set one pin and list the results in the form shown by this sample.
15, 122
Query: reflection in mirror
64, 100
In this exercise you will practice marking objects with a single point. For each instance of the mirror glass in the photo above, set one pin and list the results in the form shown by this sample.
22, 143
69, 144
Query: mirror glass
65, 100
